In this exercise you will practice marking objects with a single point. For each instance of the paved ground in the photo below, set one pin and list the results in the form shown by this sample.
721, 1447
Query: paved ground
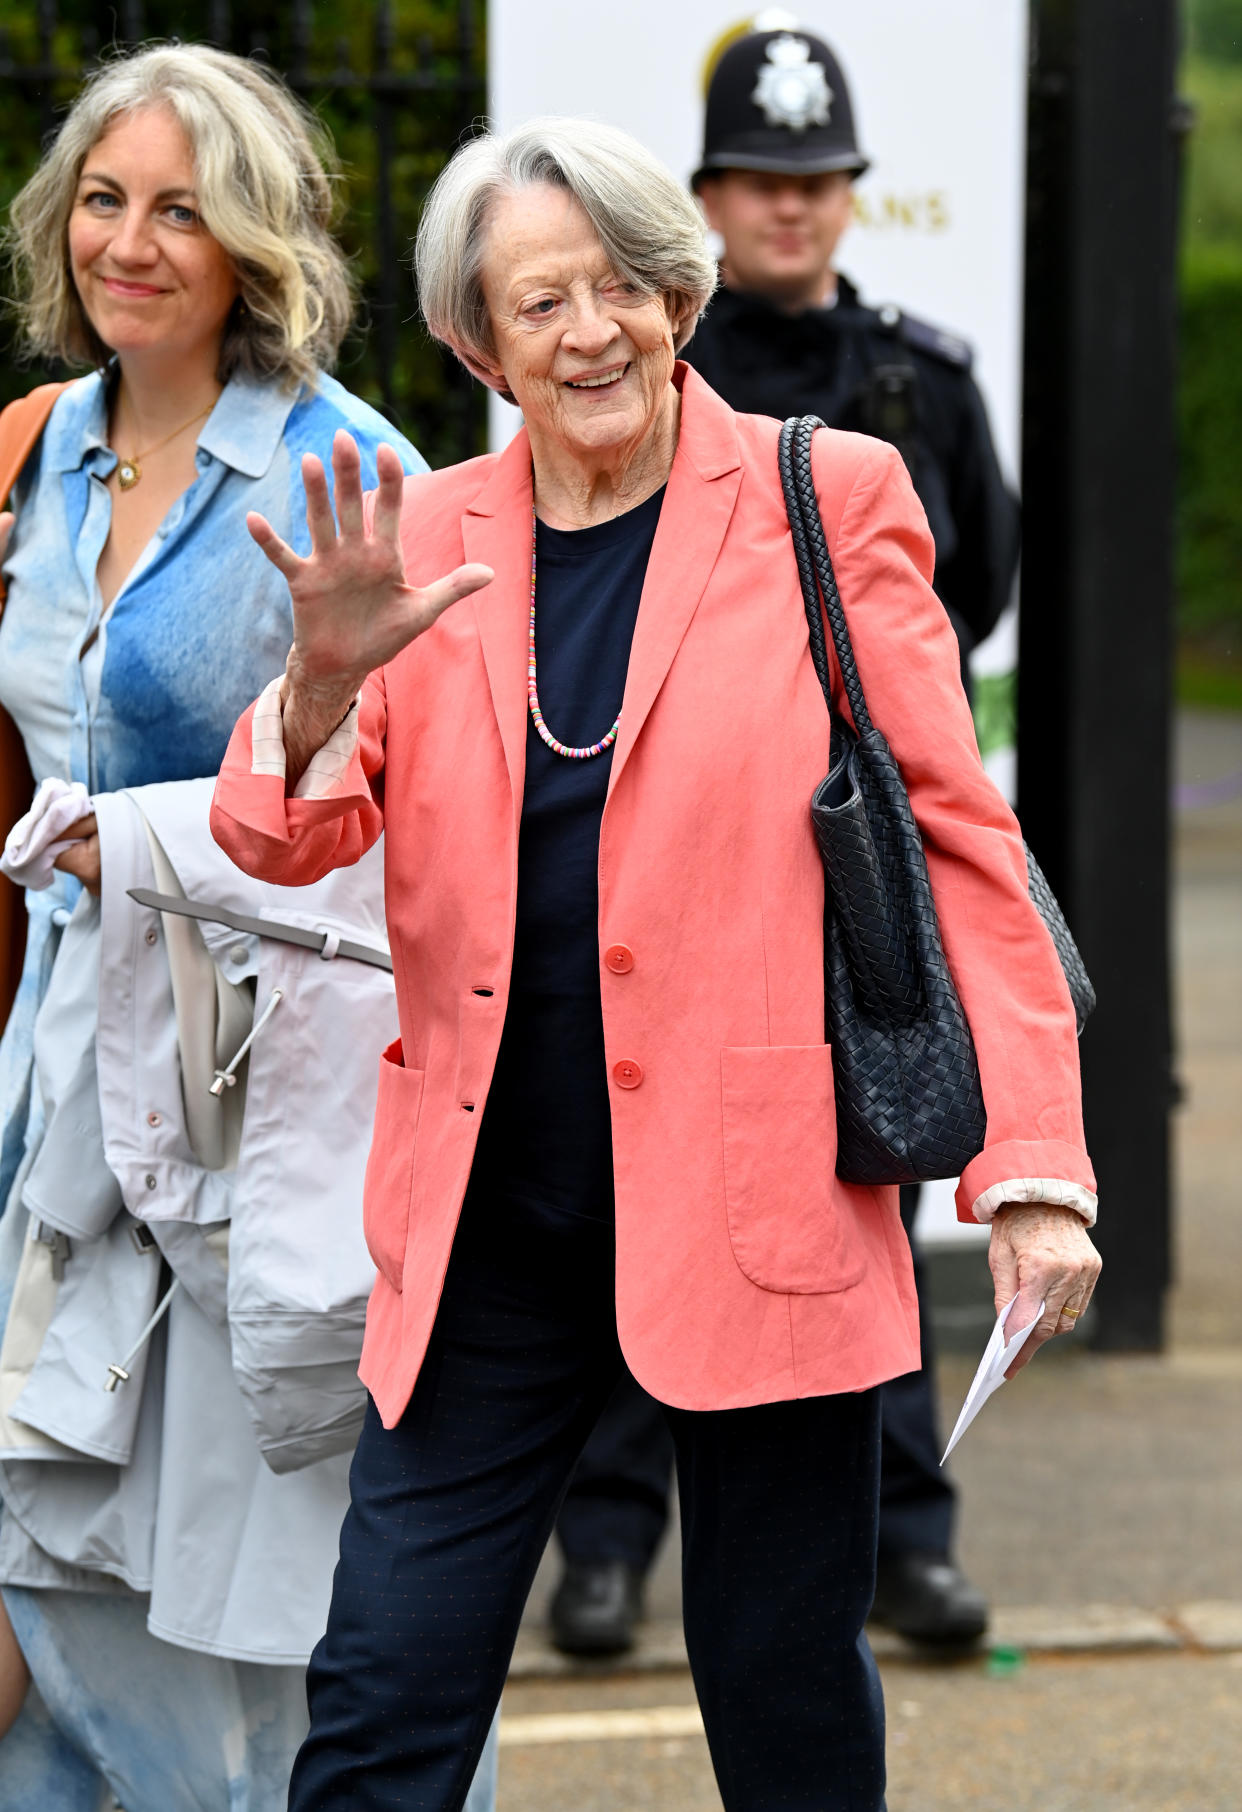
1102, 1507
1088, 1480
1206, 1303
1137, 1734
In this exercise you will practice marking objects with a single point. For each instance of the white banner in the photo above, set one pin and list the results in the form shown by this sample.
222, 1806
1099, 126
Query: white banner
939, 98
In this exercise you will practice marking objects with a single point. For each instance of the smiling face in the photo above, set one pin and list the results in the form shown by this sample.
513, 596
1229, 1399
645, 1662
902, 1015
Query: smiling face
587, 357
779, 231
149, 275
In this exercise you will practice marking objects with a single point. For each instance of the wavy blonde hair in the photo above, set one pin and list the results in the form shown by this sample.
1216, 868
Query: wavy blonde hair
264, 171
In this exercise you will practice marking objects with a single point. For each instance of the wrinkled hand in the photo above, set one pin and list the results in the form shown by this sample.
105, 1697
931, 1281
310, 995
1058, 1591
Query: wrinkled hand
1041, 1254
82, 860
352, 608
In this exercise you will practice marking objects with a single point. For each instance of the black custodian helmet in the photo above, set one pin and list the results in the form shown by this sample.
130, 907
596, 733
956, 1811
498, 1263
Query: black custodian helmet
778, 100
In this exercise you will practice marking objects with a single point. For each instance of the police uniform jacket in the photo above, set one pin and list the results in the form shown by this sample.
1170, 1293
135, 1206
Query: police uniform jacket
882, 372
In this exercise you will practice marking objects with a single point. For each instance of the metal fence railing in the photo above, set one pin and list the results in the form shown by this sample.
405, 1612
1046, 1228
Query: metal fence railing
397, 82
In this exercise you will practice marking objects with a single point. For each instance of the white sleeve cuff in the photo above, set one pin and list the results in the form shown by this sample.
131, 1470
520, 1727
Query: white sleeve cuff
267, 732
1035, 1189
267, 742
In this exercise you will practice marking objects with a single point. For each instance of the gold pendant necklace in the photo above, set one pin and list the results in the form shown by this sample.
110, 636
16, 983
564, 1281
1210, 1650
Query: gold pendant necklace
129, 471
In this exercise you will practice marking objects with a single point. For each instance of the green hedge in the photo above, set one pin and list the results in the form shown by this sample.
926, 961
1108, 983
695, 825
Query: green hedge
1209, 505
1214, 28
1210, 422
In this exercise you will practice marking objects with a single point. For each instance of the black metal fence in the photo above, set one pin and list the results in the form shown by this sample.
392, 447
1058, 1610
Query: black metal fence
1097, 571
397, 82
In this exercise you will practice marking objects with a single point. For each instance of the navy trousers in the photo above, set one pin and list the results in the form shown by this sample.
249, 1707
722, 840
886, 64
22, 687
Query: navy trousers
450, 1512
918, 1504
616, 1507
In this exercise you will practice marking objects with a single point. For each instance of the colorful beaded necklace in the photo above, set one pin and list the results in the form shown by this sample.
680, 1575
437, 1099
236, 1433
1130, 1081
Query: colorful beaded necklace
532, 689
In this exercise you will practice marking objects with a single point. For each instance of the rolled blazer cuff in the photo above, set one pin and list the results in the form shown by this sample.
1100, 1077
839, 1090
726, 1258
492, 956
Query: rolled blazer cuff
292, 841
1039, 1170
328, 768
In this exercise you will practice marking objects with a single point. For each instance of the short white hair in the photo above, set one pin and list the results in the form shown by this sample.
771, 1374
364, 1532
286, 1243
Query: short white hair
649, 227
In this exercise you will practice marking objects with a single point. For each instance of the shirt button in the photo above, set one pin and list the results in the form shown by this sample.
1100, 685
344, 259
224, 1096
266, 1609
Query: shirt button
627, 1074
239, 954
154, 1119
619, 958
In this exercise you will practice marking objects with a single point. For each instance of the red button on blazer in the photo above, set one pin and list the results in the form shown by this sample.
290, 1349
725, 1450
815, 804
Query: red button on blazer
747, 1271
619, 958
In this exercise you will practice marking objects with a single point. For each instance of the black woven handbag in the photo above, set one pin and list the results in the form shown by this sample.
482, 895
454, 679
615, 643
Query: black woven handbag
909, 1103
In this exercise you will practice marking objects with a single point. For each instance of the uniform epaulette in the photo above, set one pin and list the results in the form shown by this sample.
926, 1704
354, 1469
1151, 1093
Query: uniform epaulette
925, 336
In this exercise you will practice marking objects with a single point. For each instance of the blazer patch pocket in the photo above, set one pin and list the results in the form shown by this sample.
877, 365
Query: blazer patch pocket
789, 1230
390, 1166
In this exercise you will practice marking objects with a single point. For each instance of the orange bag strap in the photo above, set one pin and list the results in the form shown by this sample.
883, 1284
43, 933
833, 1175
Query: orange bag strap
21, 424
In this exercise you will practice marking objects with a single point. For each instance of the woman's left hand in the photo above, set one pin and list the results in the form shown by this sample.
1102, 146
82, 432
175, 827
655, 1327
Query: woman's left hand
1040, 1253
82, 859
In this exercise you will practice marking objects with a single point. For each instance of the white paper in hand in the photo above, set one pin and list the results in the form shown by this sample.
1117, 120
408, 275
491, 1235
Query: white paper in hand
998, 1355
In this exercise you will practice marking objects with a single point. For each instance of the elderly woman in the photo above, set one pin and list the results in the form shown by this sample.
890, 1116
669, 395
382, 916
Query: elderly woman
176, 240
606, 1135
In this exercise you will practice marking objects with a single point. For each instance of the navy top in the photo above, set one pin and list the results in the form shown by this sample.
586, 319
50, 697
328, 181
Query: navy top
547, 1133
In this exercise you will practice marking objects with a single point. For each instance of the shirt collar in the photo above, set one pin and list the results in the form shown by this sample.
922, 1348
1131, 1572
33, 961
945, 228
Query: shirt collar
742, 302
243, 430
247, 424
77, 426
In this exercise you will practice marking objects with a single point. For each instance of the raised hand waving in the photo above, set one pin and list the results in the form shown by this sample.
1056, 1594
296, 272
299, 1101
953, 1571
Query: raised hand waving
352, 607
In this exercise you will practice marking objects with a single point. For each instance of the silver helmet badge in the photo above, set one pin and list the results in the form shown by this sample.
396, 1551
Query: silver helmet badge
792, 90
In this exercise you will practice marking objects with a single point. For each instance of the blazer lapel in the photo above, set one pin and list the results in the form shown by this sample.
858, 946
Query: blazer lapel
698, 507
496, 529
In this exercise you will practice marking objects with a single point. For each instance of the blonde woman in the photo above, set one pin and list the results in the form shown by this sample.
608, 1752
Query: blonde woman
175, 240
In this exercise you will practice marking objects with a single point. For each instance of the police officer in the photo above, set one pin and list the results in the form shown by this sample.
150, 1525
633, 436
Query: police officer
788, 334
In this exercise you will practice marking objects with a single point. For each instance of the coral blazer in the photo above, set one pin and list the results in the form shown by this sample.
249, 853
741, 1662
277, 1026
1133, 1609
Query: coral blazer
746, 1270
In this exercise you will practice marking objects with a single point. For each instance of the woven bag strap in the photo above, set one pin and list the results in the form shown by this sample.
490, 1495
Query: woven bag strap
820, 596
21, 424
